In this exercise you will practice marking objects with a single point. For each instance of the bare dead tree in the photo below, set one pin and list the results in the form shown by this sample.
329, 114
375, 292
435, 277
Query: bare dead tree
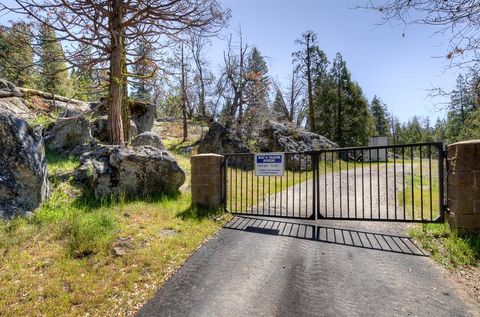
294, 93
234, 80
458, 20
111, 27
311, 63
183, 85
197, 45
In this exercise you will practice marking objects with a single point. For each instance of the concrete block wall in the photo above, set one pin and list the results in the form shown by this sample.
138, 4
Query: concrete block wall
207, 179
463, 191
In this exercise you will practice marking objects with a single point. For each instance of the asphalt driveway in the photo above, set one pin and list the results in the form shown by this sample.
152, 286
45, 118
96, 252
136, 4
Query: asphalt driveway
271, 267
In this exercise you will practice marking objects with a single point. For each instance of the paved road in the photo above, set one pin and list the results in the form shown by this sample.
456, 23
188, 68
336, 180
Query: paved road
260, 267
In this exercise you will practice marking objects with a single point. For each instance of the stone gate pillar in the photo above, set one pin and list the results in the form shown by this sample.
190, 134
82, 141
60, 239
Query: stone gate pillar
207, 179
463, 191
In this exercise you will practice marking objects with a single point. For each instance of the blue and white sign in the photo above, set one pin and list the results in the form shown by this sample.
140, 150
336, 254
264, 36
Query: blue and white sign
269, 164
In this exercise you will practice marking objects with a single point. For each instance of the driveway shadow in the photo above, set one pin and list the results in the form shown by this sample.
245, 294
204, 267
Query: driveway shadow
334, 235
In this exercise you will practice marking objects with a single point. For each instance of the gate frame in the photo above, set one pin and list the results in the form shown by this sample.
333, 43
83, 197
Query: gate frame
442, 178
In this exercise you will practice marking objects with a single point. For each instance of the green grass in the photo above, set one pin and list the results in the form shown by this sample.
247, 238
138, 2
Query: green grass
445, 245
44, 120
175, 146
448, 247
417, 193
60, 260
245, 190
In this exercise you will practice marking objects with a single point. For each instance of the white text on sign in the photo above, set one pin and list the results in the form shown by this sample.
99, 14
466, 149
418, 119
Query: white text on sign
269, 164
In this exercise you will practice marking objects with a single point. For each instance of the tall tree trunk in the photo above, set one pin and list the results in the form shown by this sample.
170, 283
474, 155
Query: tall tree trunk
232, 111
115, 123
202, 109
184, 99
240, 85
311, 113
201, 97
292, 97
125, 103
240, 111
339, 116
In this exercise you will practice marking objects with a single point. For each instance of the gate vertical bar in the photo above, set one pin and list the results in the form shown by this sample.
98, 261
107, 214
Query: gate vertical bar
430, 179
441, 181
421, 183
348, 189
317, 167
224, 187
314, 185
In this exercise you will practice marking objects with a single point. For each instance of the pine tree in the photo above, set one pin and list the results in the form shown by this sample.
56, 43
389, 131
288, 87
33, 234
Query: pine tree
256, 92
16, 55
3, 53
53, 69
324, 100
144, 70
279, 107
257, 89
439, 134
379, 112
354, 129
341, 110
312, 63
342, 80
83, 77
412, 131
471, 128
395, 130
462, 104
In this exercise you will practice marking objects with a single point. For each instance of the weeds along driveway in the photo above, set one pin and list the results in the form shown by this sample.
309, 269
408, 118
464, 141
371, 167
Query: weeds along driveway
269, 267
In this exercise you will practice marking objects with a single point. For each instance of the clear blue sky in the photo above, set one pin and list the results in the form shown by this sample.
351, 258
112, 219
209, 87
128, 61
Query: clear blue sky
398, 69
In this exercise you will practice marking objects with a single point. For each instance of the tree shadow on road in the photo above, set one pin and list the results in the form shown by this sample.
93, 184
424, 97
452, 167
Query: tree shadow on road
340, 236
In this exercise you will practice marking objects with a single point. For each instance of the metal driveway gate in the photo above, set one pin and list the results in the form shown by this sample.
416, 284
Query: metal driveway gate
382, 183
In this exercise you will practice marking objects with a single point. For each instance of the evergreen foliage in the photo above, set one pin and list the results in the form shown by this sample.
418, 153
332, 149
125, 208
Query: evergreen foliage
279, 107
256, 92
144, 70
54, 77
341, 110
311, 63
462, 105
86, 85
16, 55
379, 112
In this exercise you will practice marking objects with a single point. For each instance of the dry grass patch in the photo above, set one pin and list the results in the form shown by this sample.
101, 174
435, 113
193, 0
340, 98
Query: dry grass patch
78, 257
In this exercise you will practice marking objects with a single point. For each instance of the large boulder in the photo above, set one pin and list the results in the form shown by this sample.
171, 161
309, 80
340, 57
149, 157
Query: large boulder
12, 103
134, 172
143, 114
16, 106
67, 134
29, 103
7, 89
99, 129
221, 140
66, 108
285, 137
23, 168
148, 138
40, 100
